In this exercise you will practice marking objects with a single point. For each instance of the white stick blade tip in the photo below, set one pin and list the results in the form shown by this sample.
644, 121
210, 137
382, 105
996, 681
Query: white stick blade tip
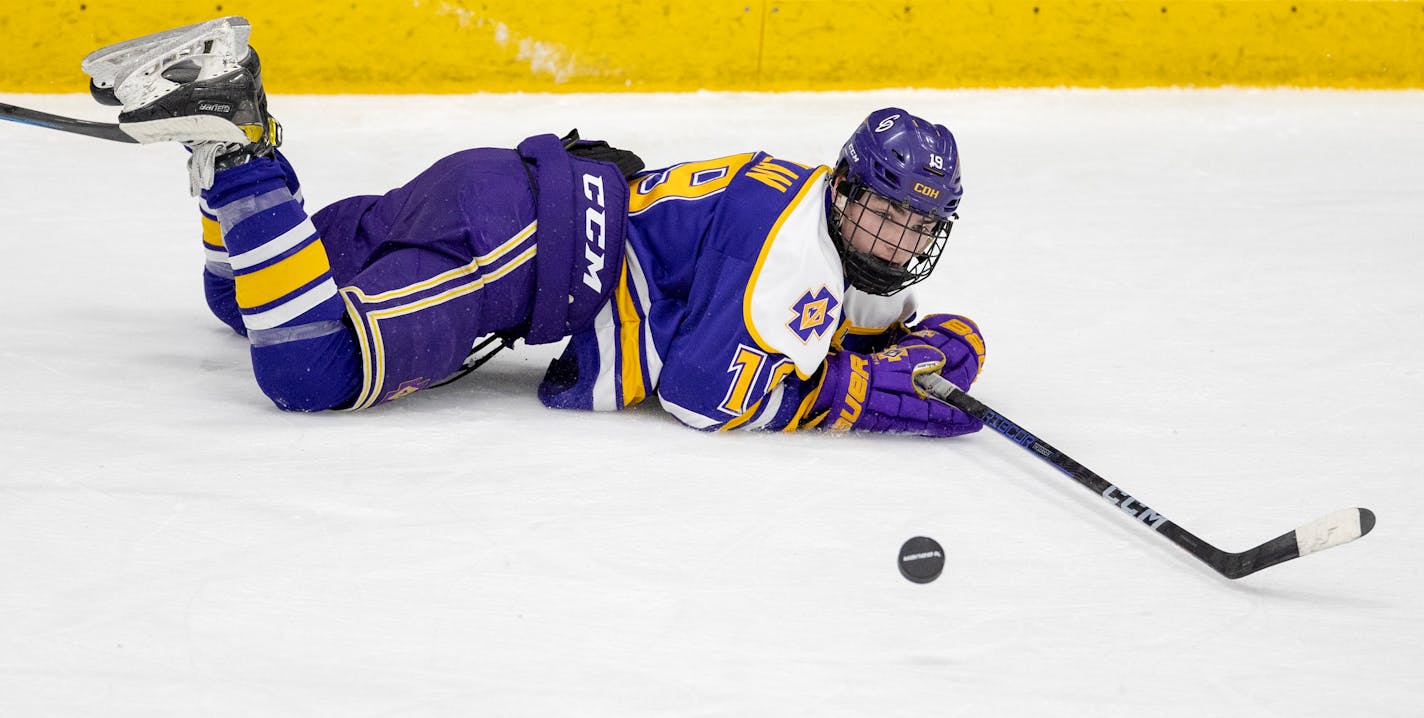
1340, 527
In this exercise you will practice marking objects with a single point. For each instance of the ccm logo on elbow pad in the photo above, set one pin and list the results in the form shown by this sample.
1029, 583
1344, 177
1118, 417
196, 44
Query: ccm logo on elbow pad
593, 222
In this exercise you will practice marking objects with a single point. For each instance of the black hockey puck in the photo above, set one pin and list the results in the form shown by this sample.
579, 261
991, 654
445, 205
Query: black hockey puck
921, 559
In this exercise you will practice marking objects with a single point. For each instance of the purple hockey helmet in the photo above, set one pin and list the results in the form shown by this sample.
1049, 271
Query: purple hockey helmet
896, 190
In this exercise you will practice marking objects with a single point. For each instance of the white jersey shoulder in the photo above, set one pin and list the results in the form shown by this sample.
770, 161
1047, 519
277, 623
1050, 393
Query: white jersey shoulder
873, 314
794, 299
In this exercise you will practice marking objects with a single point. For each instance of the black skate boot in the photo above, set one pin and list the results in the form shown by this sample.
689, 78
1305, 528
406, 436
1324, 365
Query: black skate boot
200, 85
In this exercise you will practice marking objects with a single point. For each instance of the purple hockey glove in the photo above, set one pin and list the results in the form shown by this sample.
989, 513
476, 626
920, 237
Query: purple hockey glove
877, 393
959, 339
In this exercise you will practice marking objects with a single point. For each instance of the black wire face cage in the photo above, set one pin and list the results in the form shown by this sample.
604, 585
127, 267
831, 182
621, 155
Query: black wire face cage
900, 232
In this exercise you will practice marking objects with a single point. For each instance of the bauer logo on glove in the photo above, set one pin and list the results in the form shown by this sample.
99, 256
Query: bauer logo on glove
877, 393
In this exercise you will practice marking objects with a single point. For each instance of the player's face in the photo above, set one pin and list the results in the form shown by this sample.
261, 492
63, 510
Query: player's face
876, 226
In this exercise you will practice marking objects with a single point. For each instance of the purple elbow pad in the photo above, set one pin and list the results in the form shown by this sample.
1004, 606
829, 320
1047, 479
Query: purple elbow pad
582, 208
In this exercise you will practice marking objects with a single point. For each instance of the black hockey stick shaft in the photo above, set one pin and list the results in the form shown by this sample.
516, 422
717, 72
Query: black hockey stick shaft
1326, 532
101, 130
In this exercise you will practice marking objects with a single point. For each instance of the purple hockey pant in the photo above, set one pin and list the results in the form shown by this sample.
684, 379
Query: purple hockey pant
422, 272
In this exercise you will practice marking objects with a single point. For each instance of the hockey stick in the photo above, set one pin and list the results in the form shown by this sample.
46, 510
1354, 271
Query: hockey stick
101, 130
1343, 526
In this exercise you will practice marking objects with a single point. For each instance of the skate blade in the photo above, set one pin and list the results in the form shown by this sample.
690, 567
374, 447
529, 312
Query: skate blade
107, 64
187, 129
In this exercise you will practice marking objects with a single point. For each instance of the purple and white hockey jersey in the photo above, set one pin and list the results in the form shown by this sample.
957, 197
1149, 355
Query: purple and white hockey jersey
731, 295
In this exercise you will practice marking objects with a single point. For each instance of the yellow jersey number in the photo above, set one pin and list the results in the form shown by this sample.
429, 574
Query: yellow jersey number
685, 181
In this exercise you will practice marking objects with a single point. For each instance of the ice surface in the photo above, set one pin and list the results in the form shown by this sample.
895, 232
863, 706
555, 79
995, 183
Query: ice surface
1212, 298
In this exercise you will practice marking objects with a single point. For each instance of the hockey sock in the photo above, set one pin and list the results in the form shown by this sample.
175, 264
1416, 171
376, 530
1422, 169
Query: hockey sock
218, 285
304, 356
217, 275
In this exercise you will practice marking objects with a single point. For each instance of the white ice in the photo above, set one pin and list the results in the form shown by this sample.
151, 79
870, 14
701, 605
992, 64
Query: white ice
1212, 298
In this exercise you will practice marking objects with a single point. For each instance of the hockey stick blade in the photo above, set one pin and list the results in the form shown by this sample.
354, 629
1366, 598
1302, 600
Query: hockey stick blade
1341, 527
101, 130
1329, 531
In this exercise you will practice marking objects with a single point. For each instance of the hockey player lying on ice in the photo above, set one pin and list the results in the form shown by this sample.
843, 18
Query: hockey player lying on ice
745, 292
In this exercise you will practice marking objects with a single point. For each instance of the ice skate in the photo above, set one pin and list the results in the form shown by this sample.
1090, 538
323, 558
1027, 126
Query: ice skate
105, 65
200, 85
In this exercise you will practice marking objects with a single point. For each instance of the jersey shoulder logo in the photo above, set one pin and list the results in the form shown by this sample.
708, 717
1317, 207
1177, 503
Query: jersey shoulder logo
813, 314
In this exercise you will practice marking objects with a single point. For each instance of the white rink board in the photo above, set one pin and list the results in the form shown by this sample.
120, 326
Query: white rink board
1212, 298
